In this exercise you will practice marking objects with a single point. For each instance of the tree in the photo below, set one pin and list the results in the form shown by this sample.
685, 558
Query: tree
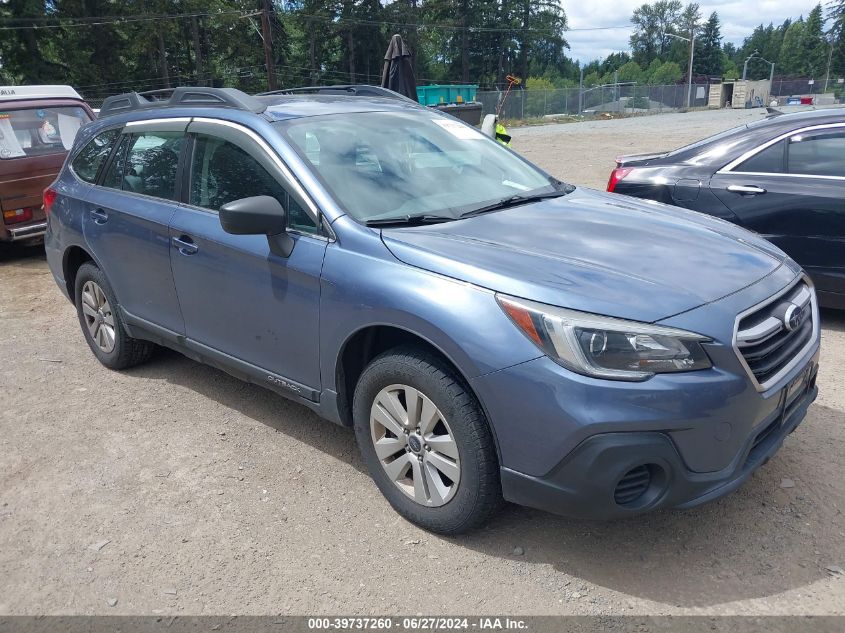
837, 38
630, 72
730, 69
651, 23
815, 47
592, 79
667, 73
709, 59
767, 42
791, 57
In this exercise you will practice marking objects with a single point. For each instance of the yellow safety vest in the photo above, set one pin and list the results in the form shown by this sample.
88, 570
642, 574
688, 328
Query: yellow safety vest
502, 135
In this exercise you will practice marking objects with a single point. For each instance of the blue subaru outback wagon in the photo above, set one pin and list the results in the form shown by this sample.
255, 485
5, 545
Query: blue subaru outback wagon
490, 332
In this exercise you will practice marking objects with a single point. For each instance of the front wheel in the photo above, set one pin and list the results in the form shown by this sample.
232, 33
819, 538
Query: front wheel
426, 442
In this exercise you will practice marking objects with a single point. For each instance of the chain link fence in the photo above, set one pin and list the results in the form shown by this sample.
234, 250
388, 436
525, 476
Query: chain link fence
619, 99
792, 87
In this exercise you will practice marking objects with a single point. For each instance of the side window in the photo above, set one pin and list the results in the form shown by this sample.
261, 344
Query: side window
151, 162
222, 172
89, 159
114, 174
769, 161
817, 154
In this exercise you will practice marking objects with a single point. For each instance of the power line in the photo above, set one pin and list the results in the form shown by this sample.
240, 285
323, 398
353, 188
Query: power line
340, 21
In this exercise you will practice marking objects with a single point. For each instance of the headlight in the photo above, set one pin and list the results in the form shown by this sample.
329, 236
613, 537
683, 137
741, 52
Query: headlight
605, 347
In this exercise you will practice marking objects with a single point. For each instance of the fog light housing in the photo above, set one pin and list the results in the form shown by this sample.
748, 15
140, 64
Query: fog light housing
640, 486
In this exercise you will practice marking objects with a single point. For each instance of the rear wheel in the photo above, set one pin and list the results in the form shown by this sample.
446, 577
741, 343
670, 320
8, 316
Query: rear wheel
102, 326
426, 441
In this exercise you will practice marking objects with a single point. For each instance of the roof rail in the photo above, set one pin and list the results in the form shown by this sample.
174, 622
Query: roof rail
181, 97
162, 94
351, 90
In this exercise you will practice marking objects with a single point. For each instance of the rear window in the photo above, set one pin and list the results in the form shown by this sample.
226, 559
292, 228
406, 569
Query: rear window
39, 131
89, 159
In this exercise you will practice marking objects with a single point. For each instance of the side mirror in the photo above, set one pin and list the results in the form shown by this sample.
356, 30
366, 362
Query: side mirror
258, 215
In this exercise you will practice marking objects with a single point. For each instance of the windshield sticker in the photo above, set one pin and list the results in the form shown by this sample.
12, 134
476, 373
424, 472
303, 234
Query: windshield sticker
459, 130
68, 127
9, 145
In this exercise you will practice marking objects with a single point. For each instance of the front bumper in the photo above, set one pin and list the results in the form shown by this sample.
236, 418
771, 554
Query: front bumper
584, 483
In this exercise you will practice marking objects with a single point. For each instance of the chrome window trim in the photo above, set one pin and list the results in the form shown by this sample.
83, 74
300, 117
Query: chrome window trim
169, 121
799, 356
729, 168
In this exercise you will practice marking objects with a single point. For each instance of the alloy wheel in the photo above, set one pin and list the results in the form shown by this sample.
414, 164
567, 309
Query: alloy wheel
99, 317
415, 445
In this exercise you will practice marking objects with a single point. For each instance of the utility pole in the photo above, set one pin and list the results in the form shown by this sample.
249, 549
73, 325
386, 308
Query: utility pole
691, 55
581, 92
829, 57
691, 40
267, 36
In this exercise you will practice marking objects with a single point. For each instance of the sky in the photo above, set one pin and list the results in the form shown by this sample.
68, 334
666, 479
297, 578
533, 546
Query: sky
738, 20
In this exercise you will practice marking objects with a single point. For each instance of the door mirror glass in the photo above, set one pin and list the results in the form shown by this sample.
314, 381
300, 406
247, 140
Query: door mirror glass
256, 215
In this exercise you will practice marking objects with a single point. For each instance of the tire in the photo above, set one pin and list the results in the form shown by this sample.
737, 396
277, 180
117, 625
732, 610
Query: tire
112, 346
438, 492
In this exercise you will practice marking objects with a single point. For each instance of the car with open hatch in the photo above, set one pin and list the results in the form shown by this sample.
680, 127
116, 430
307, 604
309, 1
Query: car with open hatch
489, 332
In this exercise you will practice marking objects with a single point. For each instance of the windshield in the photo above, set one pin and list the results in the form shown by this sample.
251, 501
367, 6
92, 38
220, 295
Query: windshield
381, 165
39, 131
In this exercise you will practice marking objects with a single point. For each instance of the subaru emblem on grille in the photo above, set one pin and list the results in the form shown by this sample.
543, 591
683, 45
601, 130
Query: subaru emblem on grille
793, 317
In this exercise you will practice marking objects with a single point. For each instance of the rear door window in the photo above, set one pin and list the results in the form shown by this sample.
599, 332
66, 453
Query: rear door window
90, 158
767, 161
817, 153
151, 163
39, 131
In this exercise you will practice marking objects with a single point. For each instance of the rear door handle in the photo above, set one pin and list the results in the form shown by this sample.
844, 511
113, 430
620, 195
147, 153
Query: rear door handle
99, 216
746, 190
185, 244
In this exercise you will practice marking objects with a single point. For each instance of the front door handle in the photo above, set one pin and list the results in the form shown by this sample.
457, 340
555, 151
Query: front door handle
99, 216
185, 244
746, 190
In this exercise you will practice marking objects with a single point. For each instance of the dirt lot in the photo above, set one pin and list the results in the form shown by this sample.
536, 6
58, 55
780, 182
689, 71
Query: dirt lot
173, 488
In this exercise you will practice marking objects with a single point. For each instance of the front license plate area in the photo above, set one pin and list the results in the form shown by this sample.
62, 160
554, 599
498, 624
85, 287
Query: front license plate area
796, 388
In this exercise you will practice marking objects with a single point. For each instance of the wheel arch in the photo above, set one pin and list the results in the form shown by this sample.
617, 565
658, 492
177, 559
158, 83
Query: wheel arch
72, 260
367, 342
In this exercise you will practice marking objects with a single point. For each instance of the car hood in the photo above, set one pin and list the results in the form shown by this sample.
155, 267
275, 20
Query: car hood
594, 251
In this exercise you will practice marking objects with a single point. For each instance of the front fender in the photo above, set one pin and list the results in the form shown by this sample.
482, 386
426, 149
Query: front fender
369, 287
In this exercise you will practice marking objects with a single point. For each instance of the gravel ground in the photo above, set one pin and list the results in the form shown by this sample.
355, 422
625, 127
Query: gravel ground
174, 488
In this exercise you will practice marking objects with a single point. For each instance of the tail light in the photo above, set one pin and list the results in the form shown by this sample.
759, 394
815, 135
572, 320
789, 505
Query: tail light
49, 199
16, 216
616, 175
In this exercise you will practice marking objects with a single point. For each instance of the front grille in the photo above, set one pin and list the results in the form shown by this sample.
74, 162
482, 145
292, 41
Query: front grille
772, 336
633, 485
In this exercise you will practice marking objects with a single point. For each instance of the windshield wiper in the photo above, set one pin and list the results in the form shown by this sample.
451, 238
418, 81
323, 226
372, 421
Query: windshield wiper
409, 220
517, 199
